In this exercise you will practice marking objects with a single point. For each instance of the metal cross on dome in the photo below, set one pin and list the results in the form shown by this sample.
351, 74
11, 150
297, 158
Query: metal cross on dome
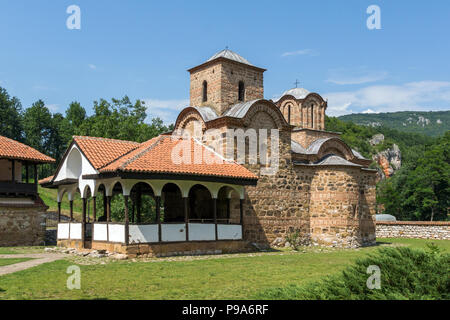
296, 83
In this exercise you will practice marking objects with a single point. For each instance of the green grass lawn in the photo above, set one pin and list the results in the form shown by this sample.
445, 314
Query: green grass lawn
17, 250
238, 276
8, 261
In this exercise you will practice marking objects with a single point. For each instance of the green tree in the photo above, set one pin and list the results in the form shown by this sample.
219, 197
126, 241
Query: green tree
75, 115
37, 123
10, 116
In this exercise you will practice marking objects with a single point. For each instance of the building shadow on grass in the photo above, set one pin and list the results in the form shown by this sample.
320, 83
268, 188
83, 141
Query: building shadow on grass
382, 243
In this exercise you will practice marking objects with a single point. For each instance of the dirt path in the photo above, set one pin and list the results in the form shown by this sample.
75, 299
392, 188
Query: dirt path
38, 258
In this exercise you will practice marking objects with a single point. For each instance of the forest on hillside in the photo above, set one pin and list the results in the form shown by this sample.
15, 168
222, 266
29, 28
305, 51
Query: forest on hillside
431, 123
420, 190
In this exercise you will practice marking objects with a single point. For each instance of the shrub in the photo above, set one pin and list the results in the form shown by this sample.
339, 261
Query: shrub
294, 239
405, 274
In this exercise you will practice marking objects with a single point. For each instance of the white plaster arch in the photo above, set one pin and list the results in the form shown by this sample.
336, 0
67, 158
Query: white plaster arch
232, 188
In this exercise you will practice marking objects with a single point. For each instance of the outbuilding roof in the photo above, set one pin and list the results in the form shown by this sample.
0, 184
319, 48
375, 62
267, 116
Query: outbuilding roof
11, 149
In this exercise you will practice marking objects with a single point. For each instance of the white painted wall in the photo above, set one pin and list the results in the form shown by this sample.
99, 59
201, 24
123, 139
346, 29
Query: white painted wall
143, 233
100, 232
202, 231
63, 231
75, 231
74, 166
229, 232
173, 232
116, 233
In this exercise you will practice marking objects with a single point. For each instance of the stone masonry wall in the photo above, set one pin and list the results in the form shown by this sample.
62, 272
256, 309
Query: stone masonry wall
341, 207
414, 229
22, 226
223, 83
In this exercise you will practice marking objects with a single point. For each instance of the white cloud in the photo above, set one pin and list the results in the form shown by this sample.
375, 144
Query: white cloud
167, 110
92, 66
390, 98
360, 75
308, 52
53, 107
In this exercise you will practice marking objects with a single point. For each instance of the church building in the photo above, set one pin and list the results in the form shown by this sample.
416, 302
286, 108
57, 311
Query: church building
321, 189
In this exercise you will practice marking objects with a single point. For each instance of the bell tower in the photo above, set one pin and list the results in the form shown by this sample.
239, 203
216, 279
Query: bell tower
223, 80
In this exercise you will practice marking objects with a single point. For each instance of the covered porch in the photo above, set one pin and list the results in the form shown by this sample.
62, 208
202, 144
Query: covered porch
119, 214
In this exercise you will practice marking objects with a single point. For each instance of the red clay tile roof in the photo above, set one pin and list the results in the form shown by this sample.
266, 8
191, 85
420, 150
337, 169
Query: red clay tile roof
11, 149
102, 151
155, 156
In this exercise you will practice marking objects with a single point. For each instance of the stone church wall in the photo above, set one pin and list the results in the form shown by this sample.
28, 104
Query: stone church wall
341, 207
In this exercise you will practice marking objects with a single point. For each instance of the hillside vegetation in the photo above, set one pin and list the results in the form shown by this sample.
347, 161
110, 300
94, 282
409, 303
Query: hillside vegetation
433, 123
420, 190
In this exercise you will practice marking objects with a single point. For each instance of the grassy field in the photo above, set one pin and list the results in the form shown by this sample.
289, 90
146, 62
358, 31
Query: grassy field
8, 261
239, 276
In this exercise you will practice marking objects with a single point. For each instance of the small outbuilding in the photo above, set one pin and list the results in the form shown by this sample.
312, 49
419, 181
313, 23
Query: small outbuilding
22, 212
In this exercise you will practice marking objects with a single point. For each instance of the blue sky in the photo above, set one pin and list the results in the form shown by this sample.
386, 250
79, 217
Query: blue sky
143, 48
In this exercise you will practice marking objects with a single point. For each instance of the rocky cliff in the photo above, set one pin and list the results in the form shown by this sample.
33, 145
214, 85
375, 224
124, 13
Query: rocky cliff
389, 160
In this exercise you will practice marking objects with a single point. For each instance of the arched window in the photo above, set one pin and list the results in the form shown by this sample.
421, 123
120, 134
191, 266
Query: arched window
205, 91
241, 95
312, 116
289, 114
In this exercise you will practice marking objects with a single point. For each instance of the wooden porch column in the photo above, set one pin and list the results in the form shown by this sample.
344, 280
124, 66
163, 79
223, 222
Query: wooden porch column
13, 171
186, 217
158, 216
83, 221
138, 204
127, 222
108, 208
105, 205
71, 210
59, 211
26, 173
215, 217
35, 174
94, 209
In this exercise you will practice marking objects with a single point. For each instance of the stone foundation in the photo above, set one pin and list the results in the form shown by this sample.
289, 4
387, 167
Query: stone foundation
164, 249
414, 229
22, 225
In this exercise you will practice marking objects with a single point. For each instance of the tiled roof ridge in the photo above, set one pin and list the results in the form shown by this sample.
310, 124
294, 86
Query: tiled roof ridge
143, 152
104, 139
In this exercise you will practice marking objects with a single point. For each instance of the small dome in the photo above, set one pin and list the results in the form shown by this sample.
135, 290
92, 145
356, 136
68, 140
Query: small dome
297, 93
228, 54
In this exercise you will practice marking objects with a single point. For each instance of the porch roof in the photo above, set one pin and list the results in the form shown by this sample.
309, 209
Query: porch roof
160, 155
11, 149
165, 155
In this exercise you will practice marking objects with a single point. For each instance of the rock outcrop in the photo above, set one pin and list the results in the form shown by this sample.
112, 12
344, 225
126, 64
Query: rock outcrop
389, 160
